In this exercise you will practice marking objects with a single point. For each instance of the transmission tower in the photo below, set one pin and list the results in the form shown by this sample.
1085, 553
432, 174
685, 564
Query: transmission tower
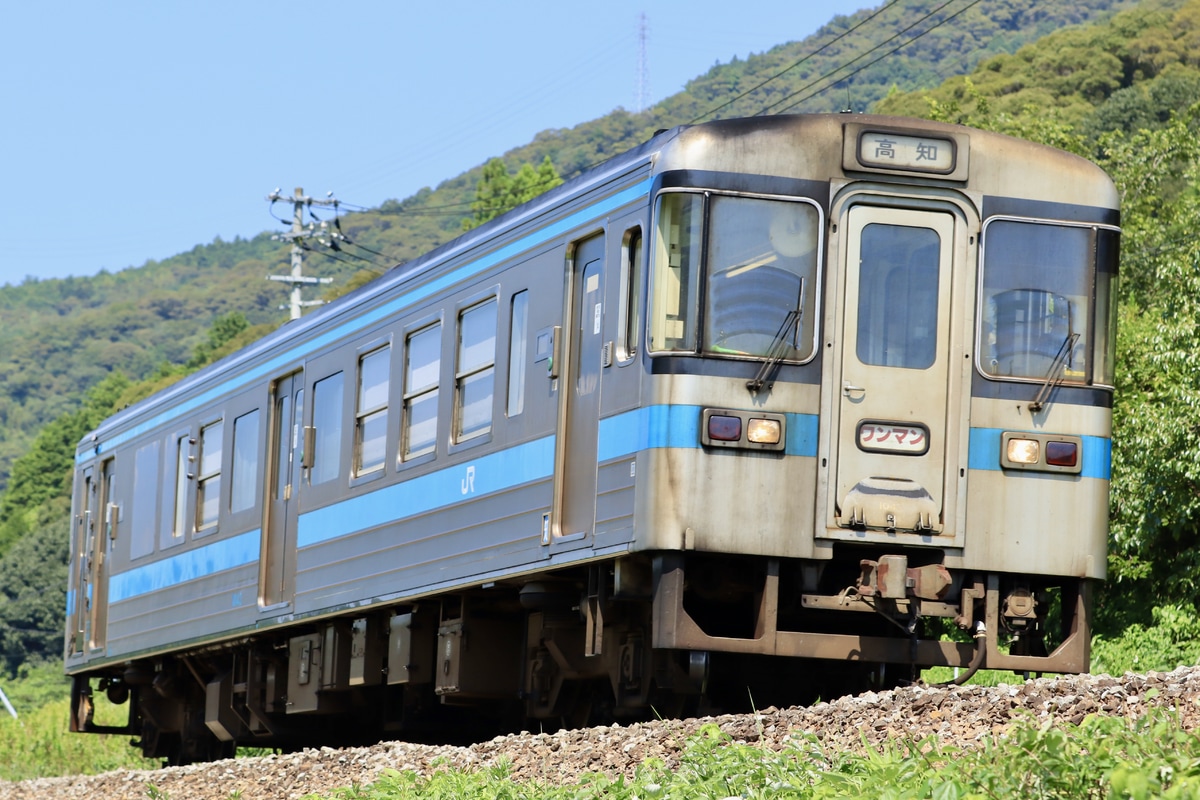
297, 278
643, 66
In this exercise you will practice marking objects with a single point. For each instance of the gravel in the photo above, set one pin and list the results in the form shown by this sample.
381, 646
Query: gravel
962, 715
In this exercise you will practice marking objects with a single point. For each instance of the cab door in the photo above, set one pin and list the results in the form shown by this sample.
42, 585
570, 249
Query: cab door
896, 425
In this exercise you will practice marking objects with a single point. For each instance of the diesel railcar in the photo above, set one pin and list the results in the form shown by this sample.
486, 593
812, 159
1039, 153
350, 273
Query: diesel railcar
760, 410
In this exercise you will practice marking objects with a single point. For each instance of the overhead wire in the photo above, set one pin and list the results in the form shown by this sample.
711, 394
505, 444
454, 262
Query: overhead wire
828, 78
828, 75
794, 64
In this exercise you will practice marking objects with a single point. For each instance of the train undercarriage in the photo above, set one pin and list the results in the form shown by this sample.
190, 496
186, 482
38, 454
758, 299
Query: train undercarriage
668, 634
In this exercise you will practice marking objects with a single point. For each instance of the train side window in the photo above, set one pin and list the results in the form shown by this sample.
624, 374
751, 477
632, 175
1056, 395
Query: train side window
208, 479
762, 265
518, 352
327, 420
370, 437
1036, 302
475, 378
630, 322
243, 471
422, 367
679, 233
146, 472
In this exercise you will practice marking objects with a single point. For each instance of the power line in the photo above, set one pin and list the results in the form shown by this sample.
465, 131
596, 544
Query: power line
861, 56
795, 64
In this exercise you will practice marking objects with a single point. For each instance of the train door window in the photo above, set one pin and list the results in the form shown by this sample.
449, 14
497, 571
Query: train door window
1036, 301
370, 434
677, 251
243, 471
518, 350
182, 461
898, 296
327, 420
474, 380
421, 371
630, 322
208, 480
288, 443
146, 473
762, 266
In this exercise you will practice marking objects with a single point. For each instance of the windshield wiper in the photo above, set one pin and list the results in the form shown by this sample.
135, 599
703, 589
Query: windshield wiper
781, 345
1054, 376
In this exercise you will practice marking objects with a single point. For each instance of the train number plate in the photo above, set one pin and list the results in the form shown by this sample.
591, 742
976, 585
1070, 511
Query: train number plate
887, 437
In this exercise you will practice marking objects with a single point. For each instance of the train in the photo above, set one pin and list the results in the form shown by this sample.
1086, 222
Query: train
761, 411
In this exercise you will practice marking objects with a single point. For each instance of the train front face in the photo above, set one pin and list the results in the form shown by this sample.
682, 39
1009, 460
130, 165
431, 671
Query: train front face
881, 357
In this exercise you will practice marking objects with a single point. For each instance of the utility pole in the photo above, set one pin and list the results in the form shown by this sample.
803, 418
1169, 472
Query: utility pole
297, 279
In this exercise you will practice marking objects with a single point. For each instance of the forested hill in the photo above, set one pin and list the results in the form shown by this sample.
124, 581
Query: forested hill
58, 337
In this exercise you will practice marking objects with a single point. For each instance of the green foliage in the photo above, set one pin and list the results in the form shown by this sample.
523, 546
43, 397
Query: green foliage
223, 330
499, 191
1171, 640
1103, 757
37, 745
33, 591
43, 474
1155, 505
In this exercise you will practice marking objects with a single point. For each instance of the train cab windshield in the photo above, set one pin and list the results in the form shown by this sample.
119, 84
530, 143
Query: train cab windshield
735, 276
1048, 302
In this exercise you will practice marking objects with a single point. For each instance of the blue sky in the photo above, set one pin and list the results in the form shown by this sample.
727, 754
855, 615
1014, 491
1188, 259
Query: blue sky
137, 130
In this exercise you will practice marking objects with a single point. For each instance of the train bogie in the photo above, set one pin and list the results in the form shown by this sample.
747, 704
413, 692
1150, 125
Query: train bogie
758, 409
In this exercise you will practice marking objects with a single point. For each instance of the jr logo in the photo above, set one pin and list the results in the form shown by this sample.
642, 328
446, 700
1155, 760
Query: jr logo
468, 483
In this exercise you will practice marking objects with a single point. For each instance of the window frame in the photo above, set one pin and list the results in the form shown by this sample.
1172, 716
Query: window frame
695, 327
379, 411
630, 320
466, 374
202, 525
426, 391
518, 354
1094, 312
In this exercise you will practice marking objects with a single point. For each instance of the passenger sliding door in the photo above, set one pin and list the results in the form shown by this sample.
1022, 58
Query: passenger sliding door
83, 538
576, 445
277, 566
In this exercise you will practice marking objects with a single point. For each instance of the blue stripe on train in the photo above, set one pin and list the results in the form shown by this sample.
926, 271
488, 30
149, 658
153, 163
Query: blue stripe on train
200, 562
984, 453
620, 436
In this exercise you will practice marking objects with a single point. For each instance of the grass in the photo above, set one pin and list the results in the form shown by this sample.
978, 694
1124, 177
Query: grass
1103, 757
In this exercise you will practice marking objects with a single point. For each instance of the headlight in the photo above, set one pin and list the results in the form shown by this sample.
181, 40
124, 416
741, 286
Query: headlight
763, 431
1041, 452
747, 430
1023, 451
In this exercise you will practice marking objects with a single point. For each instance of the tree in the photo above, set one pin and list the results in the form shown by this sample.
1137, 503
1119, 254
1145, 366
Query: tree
44, 472
33, 590
1155, 543
499, 191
